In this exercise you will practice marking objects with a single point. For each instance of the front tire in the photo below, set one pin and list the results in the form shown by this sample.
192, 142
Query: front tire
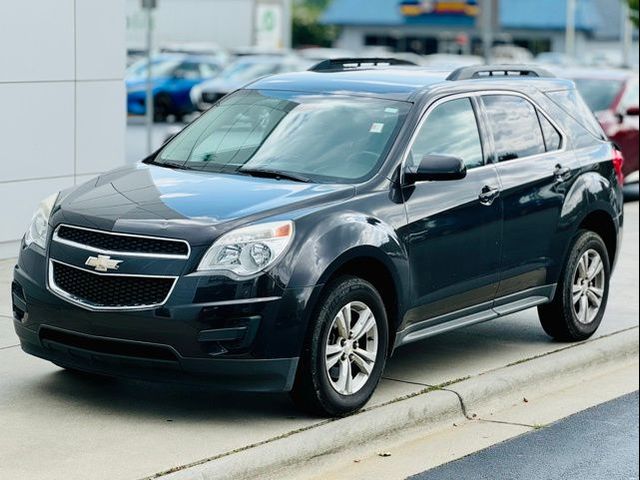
345, 351
580, 301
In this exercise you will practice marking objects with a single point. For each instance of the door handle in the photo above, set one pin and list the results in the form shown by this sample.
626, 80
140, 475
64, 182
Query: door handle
488, 195
561, 173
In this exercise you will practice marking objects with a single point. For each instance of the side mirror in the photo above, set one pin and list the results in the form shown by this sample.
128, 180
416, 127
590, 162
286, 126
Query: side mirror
435, 168
633, 111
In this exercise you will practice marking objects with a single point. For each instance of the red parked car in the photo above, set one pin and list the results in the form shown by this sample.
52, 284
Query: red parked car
613, 97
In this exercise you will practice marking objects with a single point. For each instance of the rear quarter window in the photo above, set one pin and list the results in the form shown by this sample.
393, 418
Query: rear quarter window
572, 103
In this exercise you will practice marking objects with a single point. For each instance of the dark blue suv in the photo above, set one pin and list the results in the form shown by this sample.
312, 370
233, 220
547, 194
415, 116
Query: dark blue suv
306, 226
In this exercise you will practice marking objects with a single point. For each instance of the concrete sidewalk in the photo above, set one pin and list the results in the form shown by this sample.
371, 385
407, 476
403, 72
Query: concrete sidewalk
58, 425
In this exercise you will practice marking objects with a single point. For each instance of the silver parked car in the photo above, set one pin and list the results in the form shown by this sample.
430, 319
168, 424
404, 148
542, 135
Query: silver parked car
242, 71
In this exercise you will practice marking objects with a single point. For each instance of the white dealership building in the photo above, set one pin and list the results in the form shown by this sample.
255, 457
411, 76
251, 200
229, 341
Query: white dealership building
62, 96
62, 91
227, 23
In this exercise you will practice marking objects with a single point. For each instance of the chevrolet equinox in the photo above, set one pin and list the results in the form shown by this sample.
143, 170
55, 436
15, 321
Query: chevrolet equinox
308, 224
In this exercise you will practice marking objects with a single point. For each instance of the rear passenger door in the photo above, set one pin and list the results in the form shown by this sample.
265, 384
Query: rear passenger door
535, 170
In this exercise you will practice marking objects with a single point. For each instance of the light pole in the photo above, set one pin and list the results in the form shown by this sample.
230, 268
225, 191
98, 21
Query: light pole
626, 35
570, 32
486, 13
149, 6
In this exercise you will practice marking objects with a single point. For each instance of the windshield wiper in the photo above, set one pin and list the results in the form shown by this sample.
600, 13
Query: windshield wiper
174, 165
263, 172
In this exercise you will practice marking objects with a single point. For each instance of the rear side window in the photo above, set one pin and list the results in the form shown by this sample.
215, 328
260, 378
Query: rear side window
450, 129
514, 123
552, 139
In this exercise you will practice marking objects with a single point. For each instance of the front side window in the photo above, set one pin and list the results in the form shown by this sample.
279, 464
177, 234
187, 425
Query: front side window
514, 123
450, 129
323, 138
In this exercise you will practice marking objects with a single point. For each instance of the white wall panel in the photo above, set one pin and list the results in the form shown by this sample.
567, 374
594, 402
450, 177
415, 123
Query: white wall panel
100, 126
62, 100
100, 39
36, 40
36, 127
21, 200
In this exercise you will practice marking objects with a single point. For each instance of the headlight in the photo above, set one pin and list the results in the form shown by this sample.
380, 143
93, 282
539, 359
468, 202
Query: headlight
248, 250
37, 232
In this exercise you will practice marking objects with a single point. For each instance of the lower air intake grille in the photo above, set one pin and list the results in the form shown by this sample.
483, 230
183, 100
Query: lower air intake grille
110, 290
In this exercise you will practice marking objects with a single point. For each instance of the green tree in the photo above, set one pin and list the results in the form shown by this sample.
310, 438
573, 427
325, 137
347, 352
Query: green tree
306, 28
633, 11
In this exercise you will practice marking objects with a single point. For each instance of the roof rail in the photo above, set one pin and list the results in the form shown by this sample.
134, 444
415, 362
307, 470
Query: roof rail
340, 64
502, 70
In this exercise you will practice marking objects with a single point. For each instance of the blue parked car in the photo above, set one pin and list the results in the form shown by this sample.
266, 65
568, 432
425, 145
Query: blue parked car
173, 77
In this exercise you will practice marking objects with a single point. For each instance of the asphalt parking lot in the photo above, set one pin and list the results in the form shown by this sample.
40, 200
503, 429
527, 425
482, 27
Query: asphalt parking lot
600, 442
68, 425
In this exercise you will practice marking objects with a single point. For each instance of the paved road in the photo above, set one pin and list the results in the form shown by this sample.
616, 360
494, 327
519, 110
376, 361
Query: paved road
596, 444
54, 424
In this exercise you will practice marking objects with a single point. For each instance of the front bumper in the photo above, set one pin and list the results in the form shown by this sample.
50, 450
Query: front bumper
236, 343
87, 353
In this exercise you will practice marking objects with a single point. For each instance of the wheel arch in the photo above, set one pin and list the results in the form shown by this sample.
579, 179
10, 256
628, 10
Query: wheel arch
601, 222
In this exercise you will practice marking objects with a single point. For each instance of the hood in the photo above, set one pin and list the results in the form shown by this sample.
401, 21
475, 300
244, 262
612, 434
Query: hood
196, 206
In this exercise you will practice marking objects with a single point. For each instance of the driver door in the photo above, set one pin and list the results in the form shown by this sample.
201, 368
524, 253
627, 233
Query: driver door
454, 227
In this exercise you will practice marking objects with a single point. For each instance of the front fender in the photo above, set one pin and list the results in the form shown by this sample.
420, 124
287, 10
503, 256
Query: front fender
332, 242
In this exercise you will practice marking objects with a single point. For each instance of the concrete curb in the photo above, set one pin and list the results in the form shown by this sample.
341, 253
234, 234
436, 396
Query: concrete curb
426, 407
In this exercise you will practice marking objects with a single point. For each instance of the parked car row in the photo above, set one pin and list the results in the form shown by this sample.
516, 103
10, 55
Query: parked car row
174, 76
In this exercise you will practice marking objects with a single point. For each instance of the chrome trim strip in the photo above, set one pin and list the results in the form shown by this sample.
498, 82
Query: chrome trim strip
242, 301
474, 94
59, 292
82, 246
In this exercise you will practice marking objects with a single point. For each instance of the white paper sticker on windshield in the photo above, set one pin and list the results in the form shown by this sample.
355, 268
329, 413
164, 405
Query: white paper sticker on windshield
390, 110
376, 128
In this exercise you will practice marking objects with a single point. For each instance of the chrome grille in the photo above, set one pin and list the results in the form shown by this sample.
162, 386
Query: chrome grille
121, 243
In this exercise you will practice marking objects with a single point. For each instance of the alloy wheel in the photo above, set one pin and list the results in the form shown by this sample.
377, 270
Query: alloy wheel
351, 348
588, 286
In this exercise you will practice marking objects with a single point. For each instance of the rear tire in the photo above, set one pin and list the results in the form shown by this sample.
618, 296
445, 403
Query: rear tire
345, 351
581, 296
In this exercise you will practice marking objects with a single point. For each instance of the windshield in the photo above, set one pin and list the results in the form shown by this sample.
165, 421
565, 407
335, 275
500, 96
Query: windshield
324, 138
599, 94
159, 68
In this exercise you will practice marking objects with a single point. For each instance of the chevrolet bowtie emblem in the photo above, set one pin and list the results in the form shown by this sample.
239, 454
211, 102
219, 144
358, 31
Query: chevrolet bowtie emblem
102, 263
